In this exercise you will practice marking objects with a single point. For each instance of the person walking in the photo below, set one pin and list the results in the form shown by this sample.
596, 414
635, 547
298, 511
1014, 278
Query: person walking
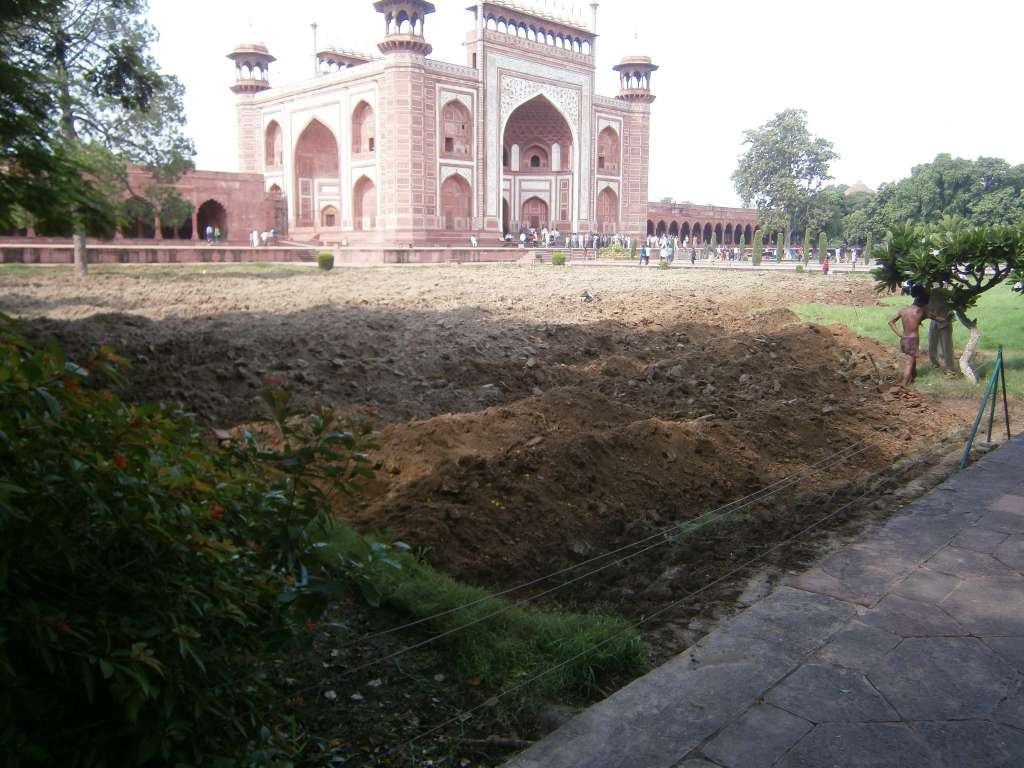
209, 234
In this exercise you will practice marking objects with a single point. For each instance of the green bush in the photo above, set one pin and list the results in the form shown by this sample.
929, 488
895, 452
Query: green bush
663, 264
148, 574
757, 255
325, 260
799, 267
615, 252
558, 259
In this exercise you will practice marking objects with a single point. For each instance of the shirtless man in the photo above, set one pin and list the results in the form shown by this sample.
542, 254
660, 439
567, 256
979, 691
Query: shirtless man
910, 340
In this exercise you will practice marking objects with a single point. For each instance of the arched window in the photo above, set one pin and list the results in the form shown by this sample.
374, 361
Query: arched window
364, 130
608, 151
536, 157
456, 130
274, 145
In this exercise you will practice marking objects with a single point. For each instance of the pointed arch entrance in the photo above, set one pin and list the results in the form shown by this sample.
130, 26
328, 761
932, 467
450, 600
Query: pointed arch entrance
608, 211
539, 143
214, 215
535, 213
364, 204
316, 164
456, 202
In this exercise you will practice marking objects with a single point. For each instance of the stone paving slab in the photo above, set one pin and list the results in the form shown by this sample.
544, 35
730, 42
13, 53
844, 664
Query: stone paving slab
902, 650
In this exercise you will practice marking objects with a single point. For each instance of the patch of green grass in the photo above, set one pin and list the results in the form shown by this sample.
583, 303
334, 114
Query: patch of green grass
35, 270
156, 270
1000, 315
517, 643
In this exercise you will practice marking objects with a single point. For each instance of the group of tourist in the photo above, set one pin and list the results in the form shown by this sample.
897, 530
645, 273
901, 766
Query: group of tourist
257, 238
553, 238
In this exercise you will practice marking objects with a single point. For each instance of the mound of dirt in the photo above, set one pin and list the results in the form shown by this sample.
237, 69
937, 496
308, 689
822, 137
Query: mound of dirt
621, 445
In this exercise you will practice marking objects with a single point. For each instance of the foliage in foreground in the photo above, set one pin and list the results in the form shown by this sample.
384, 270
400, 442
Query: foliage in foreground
146, 574
149, 577
325, 260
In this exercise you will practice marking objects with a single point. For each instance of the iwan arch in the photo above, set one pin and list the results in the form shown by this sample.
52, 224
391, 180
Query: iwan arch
399, 149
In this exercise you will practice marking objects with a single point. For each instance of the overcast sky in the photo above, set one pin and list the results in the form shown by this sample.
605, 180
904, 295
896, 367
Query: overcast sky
891, 82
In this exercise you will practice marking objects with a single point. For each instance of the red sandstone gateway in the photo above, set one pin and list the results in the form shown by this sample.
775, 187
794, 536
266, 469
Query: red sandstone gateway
399, 151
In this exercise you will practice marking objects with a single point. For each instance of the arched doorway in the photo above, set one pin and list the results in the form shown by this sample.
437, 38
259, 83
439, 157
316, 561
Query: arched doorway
728, 234
662, 229
718, 234
684, 233
748, 234
697, 233
364, 204
456, 202
329, 217
707, 233
212, 214
535, 213
539, 144
316, 161
673, 229
650, 228
608, 211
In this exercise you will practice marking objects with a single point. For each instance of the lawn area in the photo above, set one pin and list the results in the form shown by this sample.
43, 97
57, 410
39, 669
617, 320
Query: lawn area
1000, 316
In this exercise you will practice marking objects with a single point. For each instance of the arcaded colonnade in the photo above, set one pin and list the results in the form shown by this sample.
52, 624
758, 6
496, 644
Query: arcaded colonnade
701, 224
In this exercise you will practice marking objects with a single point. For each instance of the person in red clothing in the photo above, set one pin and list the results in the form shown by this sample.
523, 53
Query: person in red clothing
825, 266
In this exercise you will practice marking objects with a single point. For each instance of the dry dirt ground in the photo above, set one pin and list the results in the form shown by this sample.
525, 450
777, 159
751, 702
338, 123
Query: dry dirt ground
533, 417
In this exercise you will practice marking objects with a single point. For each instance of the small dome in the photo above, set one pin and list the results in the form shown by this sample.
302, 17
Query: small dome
636, 62
860, 186
258, 48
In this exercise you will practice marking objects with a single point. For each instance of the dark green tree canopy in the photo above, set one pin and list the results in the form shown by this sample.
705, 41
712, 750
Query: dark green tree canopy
783, 167
83, 97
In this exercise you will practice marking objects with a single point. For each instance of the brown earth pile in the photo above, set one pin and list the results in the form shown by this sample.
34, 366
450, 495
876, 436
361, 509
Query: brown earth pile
532, 416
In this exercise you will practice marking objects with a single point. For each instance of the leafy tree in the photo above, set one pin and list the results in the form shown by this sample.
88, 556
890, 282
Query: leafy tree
100, 92
40, 178
667, 200
782, 169
960, 260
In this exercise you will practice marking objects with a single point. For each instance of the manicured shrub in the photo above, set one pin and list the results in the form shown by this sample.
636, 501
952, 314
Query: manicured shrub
799, 267
148, 574
757, 254
663, 264
325, 260
558, 259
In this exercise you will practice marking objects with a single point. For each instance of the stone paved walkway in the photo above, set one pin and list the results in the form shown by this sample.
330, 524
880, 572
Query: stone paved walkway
905, 648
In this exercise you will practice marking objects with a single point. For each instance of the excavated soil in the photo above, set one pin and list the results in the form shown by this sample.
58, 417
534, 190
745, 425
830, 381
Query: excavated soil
534, 417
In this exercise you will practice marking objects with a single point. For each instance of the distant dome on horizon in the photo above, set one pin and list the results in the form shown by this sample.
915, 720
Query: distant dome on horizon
860, 186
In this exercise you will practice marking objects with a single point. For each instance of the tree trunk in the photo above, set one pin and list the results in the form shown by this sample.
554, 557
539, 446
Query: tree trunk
969, 348
81, 255
71, 135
